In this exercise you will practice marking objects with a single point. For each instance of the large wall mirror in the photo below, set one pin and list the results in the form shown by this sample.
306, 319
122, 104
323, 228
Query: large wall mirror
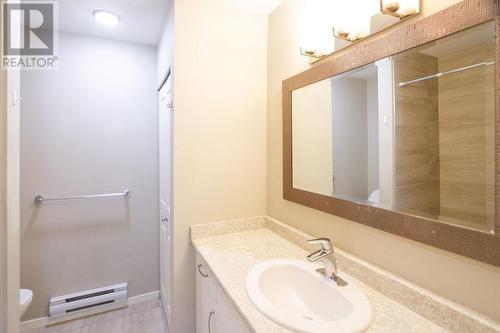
414, 132
405, 142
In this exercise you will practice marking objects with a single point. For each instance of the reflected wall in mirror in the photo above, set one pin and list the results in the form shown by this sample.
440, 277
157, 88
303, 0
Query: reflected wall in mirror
413, 133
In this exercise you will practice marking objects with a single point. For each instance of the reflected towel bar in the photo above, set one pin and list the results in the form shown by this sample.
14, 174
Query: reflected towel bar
40, 198
402, 84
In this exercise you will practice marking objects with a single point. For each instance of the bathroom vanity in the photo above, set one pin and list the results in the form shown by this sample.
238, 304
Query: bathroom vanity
227, 252
398, 133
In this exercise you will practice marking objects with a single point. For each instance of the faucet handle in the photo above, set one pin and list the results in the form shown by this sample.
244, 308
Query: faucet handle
325, 243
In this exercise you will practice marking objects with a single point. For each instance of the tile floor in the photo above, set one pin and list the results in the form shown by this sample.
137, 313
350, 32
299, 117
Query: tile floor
145, 317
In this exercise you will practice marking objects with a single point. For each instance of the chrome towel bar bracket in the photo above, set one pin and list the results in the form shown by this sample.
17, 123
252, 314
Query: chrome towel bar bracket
40, 198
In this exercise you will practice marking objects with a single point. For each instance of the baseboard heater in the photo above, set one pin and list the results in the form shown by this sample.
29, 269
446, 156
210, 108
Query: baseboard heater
67, 304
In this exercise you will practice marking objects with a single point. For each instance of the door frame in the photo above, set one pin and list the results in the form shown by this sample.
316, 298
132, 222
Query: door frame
10, 231
10, 168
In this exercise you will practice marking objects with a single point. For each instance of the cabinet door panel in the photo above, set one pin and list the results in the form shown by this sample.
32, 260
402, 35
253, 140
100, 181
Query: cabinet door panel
221, 324
215, 313
205, 298
228, 320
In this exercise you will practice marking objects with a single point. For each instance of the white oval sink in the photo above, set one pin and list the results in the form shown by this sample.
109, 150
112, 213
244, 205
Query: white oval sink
294, 295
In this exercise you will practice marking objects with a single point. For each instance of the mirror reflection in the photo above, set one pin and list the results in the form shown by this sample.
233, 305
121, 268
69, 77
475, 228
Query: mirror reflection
414, 132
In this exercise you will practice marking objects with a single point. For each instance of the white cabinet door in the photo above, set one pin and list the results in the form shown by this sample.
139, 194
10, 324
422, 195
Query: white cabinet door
205, 299
227, 319
165, 186
222, 325
214, 312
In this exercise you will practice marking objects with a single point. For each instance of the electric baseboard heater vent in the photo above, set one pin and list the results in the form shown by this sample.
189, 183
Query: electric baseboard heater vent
67, 304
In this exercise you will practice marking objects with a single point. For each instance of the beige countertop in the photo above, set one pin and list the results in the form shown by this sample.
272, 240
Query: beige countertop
231, 249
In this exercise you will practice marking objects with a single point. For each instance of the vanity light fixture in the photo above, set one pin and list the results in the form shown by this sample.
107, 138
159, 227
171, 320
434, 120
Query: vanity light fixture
371, 16
400, 8
315, 34
309, 53
355, 25
312, 53
106, 18
345, 35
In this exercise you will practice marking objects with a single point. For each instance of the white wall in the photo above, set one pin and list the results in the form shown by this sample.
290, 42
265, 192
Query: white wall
219, 130
349, 98
372, 134
90, 127
386, 131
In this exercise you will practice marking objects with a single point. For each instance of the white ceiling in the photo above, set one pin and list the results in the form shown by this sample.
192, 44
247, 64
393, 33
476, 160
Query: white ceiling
142, 21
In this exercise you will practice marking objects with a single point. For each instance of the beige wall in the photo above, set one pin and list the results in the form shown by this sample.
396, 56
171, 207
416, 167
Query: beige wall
466, 281
466, 138
219, 130
312, 138
416, 136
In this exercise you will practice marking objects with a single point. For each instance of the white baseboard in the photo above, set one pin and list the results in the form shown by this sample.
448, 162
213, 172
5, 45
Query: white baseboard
46, 321
143, 297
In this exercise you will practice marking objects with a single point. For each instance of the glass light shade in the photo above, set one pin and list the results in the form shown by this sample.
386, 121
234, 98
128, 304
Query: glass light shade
315, 27
106, 18
408, 7
353, 17
359, 13
401, 7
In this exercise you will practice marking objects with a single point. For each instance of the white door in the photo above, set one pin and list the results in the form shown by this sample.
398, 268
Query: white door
165, 180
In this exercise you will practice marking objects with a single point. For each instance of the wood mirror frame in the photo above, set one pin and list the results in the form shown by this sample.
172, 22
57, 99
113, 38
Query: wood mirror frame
470, 243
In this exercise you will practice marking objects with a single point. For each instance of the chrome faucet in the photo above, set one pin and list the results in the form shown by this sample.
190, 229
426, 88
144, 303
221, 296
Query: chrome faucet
327, 255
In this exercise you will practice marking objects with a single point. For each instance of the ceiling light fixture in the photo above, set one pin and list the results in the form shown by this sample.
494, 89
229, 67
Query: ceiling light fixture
106, 17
